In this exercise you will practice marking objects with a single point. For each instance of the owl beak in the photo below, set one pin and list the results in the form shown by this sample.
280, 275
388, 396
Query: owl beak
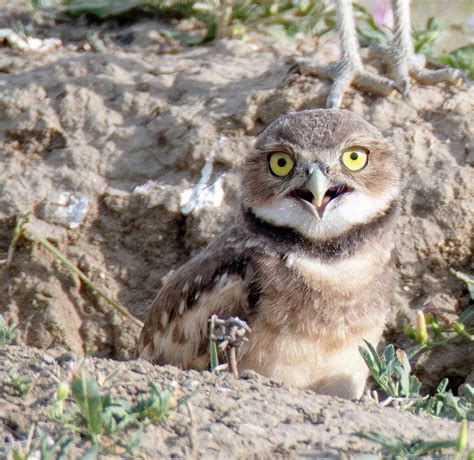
318, 184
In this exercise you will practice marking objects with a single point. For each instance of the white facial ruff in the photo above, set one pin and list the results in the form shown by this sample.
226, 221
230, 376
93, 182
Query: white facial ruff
340, 215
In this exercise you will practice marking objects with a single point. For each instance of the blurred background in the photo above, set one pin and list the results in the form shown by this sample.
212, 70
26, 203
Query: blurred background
455, 18
442, 30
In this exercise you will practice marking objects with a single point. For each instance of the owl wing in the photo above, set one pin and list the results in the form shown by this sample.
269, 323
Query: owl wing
218, 281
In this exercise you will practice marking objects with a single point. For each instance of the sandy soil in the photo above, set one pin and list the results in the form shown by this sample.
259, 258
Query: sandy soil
247, 418
119, 136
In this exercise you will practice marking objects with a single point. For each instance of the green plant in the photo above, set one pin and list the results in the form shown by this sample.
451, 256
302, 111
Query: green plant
7, 331
434, 328
213, 356
399, 449
25, 452
460, 58
50, 448
392, 372
113, 426
469, 280
21, 384
443, 403
42, 443
221, 18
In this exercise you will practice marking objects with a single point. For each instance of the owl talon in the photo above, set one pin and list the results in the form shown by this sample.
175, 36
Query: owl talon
399, 55
403, 63
229, 335
345, 74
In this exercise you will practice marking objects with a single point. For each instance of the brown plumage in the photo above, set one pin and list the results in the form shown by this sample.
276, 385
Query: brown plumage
309, 263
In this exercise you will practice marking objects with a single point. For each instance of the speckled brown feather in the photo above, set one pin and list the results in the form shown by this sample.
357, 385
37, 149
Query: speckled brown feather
309, 300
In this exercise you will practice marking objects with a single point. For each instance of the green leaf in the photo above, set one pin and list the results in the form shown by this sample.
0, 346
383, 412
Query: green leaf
91, 453
415, 385
7, 332
469, 389
394, 445
466, 314
86, 393
442, 386
374, 371
426, 447
468, 279
375, 355
412, 351
432, 24
389, 354
100, 8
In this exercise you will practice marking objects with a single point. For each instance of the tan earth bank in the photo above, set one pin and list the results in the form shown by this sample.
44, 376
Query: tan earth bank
247, 418
109, 152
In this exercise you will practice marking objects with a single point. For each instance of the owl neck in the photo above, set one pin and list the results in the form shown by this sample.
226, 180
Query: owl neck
287, 239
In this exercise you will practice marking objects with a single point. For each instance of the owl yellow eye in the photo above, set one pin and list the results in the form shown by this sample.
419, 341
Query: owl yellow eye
355, 159
281, 164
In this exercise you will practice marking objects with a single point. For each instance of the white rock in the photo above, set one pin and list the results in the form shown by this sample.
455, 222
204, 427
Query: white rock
203, 195
65, 208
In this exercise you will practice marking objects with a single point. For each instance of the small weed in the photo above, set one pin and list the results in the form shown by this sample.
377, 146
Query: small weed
424, 39
434, 329
213, 356
223, 18
82, 410
50, 448
26, 451
21, 384
400, 449
469, 280
460, 58
39, 442
7, 331
113, 426
392, 372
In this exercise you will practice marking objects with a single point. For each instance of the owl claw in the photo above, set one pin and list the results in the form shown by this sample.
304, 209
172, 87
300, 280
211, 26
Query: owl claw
345, 74
229, 335
399, 56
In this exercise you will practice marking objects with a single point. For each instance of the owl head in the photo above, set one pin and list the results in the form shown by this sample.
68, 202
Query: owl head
320, 172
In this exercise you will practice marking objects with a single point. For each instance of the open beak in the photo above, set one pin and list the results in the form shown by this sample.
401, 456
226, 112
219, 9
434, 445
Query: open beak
318, 184
319, 191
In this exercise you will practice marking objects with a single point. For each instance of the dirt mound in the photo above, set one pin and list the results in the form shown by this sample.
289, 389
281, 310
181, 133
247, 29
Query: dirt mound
247, 418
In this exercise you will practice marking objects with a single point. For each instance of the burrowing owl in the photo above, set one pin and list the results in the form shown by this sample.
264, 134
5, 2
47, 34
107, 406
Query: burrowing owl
309, 263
